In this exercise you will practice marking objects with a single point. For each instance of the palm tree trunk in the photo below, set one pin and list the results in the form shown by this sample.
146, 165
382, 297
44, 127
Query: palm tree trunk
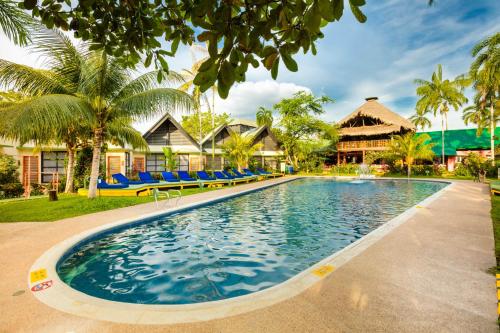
492, 132
213, 127
409, 170
442, 139
70, 171
201, 138
96, 161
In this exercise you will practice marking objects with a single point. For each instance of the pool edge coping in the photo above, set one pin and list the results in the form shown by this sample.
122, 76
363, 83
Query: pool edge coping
64, 298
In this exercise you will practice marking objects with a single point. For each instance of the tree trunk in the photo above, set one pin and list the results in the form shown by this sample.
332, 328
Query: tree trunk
213, 128
492, 132
442, 139
409, 170
70, 172
96, 161
201, 138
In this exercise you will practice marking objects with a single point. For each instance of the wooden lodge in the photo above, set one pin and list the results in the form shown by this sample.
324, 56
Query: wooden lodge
368, 128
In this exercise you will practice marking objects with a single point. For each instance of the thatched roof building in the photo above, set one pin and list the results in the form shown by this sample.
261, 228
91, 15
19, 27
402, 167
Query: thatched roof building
369, 127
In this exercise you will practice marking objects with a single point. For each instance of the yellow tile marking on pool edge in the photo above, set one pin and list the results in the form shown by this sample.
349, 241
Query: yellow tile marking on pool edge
498, 283
498, 276
323, 270
418, 206
38, 275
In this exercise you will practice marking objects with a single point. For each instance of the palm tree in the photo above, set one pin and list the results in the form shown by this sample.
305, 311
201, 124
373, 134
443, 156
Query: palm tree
89, 88
264, 117
239, 149
15, 23
420, 120
410, 147
485, 72
197, 97
438, 95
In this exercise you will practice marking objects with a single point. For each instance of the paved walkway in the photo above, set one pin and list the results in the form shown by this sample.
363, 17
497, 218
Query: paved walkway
428, 275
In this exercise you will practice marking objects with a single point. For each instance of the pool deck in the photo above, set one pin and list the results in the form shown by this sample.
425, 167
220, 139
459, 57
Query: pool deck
426, 275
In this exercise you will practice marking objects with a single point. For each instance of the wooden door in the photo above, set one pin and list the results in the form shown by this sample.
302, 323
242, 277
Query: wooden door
138, 164
113, 165
30, 170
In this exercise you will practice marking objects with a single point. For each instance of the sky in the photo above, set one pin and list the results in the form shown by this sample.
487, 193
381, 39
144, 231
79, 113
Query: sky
402, 40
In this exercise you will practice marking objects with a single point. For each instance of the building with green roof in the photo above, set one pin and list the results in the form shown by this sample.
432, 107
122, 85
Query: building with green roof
459, 143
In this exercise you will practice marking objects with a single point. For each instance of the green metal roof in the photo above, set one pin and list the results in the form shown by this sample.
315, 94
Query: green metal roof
463, 139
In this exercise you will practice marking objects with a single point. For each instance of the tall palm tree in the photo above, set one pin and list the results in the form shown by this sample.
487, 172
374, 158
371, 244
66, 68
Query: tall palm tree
91, 88
239, 149
485, 72
420, 120
411, 147
438, 95
15, 23
264, 117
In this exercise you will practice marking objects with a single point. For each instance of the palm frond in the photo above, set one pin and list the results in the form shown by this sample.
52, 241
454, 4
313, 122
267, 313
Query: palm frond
149, 81
41, 118
15, 23
29, 80
121, 130
153, 102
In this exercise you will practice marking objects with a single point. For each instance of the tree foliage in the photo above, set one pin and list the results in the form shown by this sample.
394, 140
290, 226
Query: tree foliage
239, 149
298, 121
15, 23
238, 33
264, 117
410, 147
192, 125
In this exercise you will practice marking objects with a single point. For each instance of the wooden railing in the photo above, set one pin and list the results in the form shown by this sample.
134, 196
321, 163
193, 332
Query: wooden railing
363, 144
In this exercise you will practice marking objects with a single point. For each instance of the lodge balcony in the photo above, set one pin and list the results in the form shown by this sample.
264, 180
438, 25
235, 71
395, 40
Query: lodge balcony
363, 145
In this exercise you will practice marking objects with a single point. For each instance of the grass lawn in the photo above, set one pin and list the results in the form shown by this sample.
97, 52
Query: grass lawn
43, 210
495, 216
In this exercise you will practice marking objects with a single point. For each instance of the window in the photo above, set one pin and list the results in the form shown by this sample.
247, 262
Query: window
155, 162
183, 162
52, 162
128, 166
215, 164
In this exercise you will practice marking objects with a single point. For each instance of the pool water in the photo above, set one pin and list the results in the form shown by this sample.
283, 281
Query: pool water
237, 246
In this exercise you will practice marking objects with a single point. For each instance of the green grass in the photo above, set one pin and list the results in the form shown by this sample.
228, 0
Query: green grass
43, 210
495, 216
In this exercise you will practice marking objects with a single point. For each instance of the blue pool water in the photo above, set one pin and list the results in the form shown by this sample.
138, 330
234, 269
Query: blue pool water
236, 246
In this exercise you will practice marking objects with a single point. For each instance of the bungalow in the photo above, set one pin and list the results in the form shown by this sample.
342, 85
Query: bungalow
459, 143
41, 164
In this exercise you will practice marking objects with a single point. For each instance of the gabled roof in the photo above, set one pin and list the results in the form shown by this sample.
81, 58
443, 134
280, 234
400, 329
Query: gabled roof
462, 139
245, 122
216, 131
256, 132
169, 117
392, 122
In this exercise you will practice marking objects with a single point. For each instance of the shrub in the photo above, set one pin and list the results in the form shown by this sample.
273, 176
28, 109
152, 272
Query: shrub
461, 170
12, 190
8, 169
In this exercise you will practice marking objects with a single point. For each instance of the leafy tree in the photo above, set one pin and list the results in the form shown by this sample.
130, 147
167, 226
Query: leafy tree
248, 31
420, 120
15, 23
240, 149
298, 121
264, 117
192, 125
438, 95
85, 87
485, 72
170, 159
8, 169
410, 147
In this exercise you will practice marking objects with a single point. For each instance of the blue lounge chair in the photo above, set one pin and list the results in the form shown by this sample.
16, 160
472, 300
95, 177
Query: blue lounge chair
264, 172
184, 176
147, 178
169, 177
101, 184
250, 173
237, 173
227, 173
204, 176
120, 178
220, 175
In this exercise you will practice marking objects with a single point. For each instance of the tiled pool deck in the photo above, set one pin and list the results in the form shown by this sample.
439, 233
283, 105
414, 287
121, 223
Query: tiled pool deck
427, 275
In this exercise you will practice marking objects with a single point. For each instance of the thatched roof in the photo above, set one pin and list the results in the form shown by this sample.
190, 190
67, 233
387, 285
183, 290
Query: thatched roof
390, 122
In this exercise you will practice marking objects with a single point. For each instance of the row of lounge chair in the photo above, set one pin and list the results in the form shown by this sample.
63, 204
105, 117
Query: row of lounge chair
183, 176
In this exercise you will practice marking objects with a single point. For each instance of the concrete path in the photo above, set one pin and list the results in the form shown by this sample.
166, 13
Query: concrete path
427, 275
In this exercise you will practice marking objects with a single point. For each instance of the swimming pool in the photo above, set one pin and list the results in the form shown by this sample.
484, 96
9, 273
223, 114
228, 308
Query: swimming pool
236, 246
